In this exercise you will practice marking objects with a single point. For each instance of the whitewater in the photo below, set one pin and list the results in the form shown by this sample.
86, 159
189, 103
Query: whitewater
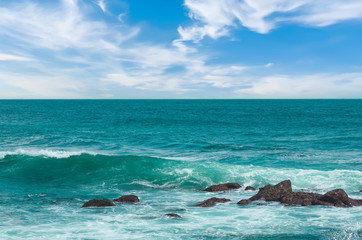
57, 154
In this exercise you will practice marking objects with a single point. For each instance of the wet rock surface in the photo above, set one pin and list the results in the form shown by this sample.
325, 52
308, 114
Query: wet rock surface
244, 202
212, 201
282, 192
222, 187
273, 193
127, 199
249, 188
300, 198
99, 203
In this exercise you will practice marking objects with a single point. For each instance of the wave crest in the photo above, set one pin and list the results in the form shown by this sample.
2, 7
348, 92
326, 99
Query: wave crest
73, 168
45, 153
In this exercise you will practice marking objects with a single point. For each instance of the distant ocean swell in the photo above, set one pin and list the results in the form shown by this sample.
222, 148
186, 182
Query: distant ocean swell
47, 166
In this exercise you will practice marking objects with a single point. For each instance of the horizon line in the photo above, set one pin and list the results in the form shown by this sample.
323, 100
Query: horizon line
110, 99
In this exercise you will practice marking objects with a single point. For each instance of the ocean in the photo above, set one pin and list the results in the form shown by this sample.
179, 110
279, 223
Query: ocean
57, 154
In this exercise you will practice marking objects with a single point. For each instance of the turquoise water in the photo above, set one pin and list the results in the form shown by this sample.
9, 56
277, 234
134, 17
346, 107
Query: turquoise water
55, 155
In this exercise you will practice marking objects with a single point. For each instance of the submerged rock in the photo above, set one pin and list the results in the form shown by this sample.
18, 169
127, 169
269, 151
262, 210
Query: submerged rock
222, 187
174, 215
244, 202
212, 201
249, 188
282, 192
127, 199
99, 203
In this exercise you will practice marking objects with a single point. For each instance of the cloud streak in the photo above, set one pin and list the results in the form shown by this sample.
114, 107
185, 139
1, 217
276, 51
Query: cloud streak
9, 57
216, 18
102, 5
60, 28
22, 86
327, 85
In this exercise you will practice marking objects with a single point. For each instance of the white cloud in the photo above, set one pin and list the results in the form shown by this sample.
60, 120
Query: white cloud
217, 76
9, 57
347, 85
85, 56
102, 5
196, 76
40, 86
216, 18
158, 57
154, 82
101, 50
324, 13
120, 17
58, 28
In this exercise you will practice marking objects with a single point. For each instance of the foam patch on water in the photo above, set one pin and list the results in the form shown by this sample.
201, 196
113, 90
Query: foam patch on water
147, 220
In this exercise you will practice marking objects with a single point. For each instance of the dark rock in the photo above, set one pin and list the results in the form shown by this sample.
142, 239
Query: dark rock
127, 199
339, 198
318, 202
356, 202
273, 193
249, 188
334, 196
244, 202
300, 198
212, 201
99, 203
222, 187
174, 215
282, 192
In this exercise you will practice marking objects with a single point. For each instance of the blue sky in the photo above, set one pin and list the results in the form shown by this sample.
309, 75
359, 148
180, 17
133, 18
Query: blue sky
181, 49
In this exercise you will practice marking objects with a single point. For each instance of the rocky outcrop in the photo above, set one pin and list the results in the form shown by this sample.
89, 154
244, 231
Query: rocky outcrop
222, 187
99, 203
273, 193
282, 192
127, 199
249, 188
173, 215
212, 201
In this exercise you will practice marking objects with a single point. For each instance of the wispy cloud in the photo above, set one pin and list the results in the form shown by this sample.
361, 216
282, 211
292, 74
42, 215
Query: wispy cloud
102, 5
9, 57
67, 52
103, 52
193, 78
19, 85
269, 65
60, 27
327, 85
216, 18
